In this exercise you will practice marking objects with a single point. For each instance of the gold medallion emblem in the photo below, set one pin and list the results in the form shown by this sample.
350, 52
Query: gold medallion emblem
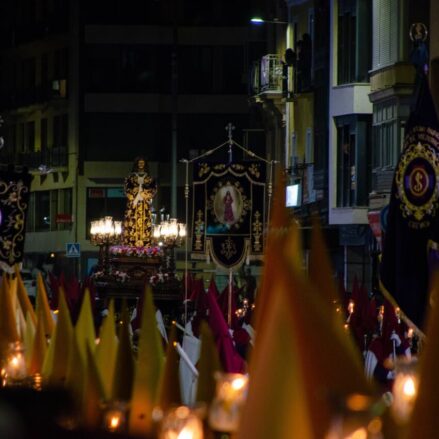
416, 178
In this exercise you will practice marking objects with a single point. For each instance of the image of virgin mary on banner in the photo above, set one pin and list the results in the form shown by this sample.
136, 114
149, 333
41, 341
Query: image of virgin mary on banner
14, 200
228, 211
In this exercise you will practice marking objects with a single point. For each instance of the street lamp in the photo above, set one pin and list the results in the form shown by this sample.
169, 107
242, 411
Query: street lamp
104, 233
259, 20
169, 234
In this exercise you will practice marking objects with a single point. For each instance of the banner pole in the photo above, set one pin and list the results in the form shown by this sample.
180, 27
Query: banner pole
186, 196
229, 307
270, 192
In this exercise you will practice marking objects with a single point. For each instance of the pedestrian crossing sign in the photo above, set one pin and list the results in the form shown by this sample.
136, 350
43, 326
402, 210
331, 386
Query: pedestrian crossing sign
73, 250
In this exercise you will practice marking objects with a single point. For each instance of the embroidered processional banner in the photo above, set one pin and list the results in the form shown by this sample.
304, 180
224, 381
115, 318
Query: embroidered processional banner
14, 200
228, 211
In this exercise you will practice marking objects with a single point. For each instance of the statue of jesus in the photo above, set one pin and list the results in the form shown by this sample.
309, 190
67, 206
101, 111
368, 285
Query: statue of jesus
140, 189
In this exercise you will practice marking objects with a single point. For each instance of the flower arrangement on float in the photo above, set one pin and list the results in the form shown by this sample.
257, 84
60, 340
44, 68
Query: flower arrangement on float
139, 252
162, 278
118, 275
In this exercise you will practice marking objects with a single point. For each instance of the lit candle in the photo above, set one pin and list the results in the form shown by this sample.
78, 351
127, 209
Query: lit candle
173, 228
181, 423
405, 389
115, 416
118, 228
114, 421
357, 417
351, 306
231, 393
164, 230
182, 230
156, 232
15, 370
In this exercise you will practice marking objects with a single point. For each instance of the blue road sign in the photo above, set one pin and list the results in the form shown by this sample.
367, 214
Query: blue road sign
73, 250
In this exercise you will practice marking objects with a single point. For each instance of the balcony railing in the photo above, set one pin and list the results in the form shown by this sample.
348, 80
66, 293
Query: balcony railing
54, 157
267, 75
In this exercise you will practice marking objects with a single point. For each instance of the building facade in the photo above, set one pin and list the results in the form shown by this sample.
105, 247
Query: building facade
88, 86
341, 110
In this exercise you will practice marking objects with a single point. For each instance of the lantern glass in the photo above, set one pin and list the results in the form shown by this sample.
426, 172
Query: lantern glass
357, 417
181, 423
14, 370
231, 393
117, 228
173, 228
182, 230
405, 388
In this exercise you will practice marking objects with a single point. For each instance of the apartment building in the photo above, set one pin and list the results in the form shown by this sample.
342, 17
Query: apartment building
88, 86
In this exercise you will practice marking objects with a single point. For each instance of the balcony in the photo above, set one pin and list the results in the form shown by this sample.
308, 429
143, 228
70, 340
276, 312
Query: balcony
47, 92
267, 76
268, 82
54, 157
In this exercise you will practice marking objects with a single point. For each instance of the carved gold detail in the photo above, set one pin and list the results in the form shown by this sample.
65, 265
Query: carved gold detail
257, 232
228, 248
199, 230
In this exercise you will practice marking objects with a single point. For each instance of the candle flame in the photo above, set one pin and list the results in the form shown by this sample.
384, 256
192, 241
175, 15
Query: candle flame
114, 422
409, 388
238, 383
360, 433
351, 306
186, 433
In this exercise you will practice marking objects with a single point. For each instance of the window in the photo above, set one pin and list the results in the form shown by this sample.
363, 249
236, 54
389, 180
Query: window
30, 214
231, 79
63, 218
352, 160
346, 166
10, 138
196, 69
49, 211
387, 26
44, 69
30, 137
42, 211
60, 131
60, 64
131, 134
102, 201
43, 134
21, 139
28, 73
354, 33
386, 136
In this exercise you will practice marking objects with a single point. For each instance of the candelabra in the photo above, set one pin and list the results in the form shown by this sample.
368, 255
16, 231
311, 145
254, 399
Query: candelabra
169, 234
104, 233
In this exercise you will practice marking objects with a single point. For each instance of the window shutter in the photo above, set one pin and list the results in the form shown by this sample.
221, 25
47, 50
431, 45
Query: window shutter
376, 32
310, 167
393, 30
385, 21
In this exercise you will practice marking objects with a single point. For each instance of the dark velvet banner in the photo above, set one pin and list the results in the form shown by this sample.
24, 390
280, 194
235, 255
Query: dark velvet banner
411, 242
14, 200
228, 211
